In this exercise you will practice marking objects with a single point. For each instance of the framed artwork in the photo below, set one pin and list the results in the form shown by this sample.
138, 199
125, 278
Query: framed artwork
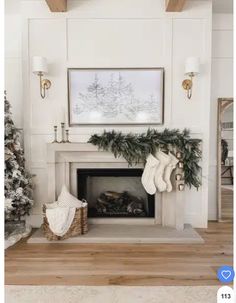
115, 96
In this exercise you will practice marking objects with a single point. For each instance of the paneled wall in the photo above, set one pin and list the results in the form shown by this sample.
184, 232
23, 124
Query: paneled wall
111, 33
221, 87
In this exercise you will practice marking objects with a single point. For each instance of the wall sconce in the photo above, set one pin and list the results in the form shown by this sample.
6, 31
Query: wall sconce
191, 70
40, 67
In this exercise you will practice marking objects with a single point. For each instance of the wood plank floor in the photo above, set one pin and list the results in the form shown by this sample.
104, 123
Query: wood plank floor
122, 264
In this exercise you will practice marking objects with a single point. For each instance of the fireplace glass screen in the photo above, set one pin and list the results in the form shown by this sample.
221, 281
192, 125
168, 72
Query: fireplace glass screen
114, 193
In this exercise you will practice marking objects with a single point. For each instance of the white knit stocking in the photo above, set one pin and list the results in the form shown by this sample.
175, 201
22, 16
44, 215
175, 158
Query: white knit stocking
168, 170
149, 173
164, 160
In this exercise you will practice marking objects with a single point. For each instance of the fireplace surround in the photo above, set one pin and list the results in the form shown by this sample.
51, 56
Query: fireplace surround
64, 160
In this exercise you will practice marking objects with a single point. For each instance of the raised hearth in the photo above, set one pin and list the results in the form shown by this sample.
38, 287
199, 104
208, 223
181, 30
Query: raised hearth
116, 233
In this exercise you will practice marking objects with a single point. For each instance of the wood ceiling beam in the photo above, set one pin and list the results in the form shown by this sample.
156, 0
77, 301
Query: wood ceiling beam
57, 6
174, 5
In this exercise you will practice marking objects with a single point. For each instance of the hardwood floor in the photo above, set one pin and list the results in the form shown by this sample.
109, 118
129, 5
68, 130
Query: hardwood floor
122, 264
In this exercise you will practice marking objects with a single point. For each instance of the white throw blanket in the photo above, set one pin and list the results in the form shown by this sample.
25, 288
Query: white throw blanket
60, 214
60, 219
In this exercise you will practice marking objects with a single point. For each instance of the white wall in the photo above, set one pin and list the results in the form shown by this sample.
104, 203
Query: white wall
13, 59
221, 87
109, 33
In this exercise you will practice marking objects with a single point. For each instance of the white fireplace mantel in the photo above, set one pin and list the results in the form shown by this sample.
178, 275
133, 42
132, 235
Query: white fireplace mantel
63, 159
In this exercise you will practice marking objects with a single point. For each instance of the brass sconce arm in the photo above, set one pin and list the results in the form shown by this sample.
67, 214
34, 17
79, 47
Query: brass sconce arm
44, 84
187, 84
192, 65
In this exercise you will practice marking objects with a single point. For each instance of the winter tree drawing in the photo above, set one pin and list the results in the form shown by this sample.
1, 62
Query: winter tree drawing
115, 96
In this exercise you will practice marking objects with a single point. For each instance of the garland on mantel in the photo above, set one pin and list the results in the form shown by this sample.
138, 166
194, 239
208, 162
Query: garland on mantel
136, 147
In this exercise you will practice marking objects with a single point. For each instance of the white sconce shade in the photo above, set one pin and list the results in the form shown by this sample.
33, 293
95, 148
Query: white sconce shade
40, 67
39, 64
192, 66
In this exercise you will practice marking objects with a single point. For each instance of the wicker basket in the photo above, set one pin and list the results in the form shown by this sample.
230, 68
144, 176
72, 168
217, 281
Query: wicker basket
78, 226
84, 218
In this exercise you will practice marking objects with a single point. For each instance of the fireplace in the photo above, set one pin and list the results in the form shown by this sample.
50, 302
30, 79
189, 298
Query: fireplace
64, 161
114, 193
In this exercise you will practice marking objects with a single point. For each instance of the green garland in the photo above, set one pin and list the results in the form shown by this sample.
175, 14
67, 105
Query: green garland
136, 147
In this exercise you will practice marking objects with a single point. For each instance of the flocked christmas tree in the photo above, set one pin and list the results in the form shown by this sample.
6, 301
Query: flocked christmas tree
18, 182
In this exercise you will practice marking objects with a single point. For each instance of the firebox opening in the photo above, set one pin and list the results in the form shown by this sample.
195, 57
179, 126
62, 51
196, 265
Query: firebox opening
114, 193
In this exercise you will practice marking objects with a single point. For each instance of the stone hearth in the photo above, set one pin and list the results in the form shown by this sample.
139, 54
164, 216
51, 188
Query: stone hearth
118, 233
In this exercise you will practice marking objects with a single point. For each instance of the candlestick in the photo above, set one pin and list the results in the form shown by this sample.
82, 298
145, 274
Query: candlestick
67, 136
62, 132
55, 134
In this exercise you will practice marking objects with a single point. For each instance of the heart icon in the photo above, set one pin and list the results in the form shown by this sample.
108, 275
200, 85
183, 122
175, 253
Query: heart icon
226, 274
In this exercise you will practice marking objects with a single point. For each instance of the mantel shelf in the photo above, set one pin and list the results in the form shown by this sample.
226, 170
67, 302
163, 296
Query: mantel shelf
75, 146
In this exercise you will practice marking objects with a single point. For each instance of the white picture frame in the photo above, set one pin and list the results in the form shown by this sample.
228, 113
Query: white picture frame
115, 96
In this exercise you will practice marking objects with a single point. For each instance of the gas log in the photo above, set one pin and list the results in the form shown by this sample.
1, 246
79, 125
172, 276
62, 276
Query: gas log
110, 202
